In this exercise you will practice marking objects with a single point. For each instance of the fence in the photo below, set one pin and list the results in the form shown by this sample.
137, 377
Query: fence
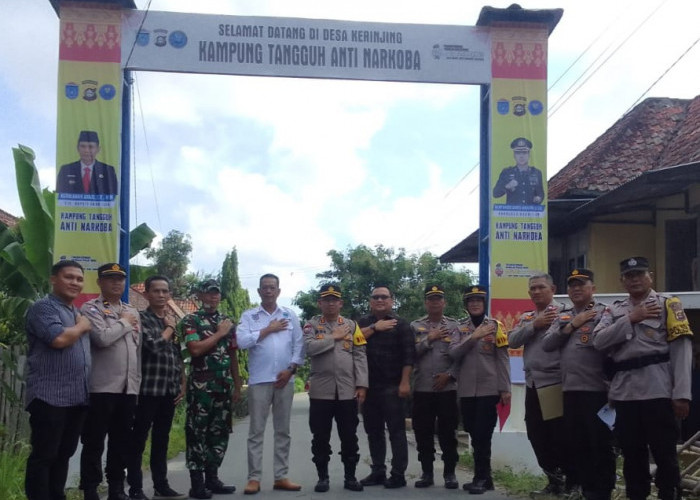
14, 421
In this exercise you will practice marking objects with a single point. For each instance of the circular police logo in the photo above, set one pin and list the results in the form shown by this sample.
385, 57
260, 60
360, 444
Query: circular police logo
519, 109
177, 39
107, 92
535, 107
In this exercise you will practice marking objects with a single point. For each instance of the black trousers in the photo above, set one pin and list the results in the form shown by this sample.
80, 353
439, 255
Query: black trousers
479, 418
55, 434
383, 406
155, 412
429, 408
321, 415
589, 442
110, 415
546, 437
643, 426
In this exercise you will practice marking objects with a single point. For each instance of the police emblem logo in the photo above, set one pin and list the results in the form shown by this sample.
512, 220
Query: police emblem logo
434, 289
503, 106
632, 262
72, 90
475, 289
346, 345
584, 338
574, 272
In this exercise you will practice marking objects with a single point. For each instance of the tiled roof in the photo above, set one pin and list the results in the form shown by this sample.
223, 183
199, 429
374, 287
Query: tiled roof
8, 219
657, 133
179, 307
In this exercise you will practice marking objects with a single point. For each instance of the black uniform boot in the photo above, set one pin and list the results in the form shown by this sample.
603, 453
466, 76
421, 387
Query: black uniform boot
554, 486
198, 490
214, 484
351, 483
115, 491
449, 476
426, 478
323, 483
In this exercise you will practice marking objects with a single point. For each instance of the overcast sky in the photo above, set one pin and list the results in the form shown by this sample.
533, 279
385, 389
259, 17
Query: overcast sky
287, 169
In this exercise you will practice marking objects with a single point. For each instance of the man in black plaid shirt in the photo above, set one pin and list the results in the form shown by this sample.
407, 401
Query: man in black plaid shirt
162, 388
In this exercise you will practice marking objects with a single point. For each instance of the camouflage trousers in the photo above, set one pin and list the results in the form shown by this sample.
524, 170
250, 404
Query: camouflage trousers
207, 427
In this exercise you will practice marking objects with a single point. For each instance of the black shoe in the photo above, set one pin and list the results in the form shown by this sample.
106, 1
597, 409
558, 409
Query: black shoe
551, 490
425, 481
480, 486
395, 481
373, 479
353, 485
137, 495
200, 492
217, 487
167, 493
451, 481
322, 485
466, 486
117, 495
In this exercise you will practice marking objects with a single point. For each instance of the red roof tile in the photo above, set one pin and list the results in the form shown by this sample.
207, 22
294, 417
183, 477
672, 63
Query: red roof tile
657, 133
8, 219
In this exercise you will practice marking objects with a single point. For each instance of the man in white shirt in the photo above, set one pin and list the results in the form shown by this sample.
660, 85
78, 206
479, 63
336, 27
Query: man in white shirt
275, 344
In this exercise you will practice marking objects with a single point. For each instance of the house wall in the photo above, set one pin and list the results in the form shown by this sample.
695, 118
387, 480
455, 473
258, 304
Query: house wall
612, 242
669, 208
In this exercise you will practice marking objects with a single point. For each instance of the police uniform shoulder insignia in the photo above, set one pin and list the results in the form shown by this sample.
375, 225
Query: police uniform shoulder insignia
565, 317
501, 335
308, 328
340, 320
358, 338
676, 321
319, 337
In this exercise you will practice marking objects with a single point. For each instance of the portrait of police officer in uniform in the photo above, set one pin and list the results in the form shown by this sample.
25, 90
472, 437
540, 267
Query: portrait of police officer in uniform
87, 175
521, 183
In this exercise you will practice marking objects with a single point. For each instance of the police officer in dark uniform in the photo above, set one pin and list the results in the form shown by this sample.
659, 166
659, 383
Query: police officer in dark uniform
337, 385
584, 386
649, 339
480, 347
435, 389
521, 183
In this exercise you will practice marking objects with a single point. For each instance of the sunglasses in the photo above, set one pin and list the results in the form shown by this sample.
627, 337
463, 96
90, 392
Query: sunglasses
380, 297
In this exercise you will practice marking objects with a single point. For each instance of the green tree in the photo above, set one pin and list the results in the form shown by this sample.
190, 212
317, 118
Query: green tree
171, 259
358, 270
234, 300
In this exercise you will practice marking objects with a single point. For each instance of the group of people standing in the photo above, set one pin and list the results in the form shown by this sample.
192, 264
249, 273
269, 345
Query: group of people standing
106, 370
630, 359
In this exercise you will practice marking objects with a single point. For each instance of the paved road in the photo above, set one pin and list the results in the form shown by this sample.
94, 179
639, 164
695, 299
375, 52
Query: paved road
302, 470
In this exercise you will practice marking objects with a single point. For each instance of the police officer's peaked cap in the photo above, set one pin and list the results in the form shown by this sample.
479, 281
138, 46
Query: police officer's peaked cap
110, 269
475, 291
433, 290
330, 290
634, 264
88, 136
521, 144
580, 274
210, 285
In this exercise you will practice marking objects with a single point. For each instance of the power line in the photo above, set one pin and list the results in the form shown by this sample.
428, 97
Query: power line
558, 106
133, 44
685, 53
148, 156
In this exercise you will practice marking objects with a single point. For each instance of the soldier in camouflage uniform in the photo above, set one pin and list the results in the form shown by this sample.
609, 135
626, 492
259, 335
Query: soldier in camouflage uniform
210, 339
337, 385
585, 388
650, 341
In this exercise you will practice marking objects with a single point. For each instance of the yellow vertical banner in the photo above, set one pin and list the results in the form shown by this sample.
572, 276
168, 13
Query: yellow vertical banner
88, 138
518, 152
